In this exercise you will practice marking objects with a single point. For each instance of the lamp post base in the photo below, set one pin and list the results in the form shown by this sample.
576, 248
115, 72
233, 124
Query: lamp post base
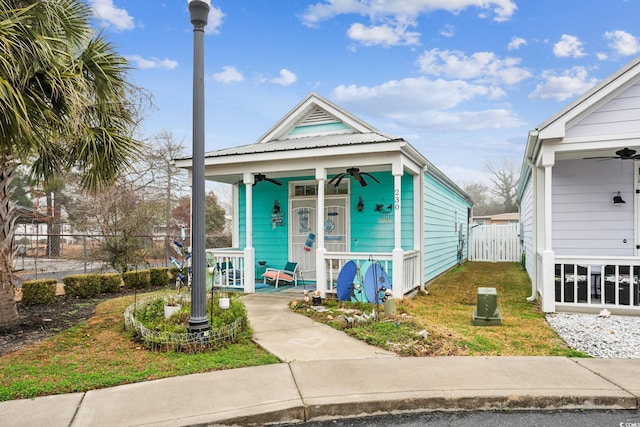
199, 326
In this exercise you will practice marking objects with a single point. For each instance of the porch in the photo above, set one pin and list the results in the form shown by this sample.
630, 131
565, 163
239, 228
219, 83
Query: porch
233, 271
595, 283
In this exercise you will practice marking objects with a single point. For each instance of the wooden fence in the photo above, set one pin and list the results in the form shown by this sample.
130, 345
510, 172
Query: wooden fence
495, 243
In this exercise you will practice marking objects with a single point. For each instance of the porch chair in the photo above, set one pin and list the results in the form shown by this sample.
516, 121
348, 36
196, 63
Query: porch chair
289, 275
228, 275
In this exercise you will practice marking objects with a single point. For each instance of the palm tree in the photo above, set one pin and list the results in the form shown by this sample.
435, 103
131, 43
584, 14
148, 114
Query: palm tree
65, 103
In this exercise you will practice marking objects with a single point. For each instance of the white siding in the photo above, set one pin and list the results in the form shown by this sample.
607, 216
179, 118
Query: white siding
526, 226
620, 115
585, 221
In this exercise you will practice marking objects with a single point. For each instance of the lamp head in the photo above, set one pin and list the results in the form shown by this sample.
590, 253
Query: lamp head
618, 199
199, 11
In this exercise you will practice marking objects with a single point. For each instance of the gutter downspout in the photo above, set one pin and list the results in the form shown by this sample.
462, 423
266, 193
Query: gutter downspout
534, 283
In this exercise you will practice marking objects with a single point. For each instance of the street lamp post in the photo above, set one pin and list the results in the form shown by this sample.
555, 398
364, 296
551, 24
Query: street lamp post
198, 322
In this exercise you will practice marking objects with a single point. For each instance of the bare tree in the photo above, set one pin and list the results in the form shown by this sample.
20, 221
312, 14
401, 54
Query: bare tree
504, 180
483, 202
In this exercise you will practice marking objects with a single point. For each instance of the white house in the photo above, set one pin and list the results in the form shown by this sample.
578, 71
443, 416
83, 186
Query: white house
579, 198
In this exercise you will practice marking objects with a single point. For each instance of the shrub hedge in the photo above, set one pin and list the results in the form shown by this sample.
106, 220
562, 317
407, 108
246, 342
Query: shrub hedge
35, 292
159, 276
110, 283
82, 285
136, 279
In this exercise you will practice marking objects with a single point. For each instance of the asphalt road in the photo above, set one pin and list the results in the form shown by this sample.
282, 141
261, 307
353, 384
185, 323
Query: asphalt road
585, 418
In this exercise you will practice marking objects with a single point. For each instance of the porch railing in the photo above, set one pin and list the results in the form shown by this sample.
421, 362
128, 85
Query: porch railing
598, 281
334, 261
230, 269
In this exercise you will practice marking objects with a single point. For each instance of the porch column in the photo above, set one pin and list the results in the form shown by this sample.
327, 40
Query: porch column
397, 280
548, 256
321, 251
249, 251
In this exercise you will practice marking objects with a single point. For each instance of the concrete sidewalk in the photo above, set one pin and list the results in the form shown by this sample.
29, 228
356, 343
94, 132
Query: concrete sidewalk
330, 375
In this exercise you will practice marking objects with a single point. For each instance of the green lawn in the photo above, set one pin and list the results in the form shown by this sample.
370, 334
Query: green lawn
100, 353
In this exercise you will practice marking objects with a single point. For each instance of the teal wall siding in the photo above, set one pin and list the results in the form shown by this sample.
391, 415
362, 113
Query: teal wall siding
373, 231
442, 230
270, 244
408, 220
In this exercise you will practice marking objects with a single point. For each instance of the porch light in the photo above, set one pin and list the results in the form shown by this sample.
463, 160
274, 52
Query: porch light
617, 199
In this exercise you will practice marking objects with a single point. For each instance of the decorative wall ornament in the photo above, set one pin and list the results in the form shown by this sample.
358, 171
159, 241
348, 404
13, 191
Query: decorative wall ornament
277, 217
303, 219
384, 210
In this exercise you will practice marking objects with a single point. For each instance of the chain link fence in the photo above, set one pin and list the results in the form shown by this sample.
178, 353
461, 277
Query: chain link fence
44, 256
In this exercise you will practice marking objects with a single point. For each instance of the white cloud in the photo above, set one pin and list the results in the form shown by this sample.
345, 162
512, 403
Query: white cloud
376, 9
516, 43
622, 42
229, 74
112, 16
153, 63
448, 31
214, 21
568, 46
560, 87
425, 104
383, 35
286, 78
482, 66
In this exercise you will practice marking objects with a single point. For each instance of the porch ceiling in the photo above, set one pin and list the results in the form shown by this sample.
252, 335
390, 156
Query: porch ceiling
603, 152
283, 160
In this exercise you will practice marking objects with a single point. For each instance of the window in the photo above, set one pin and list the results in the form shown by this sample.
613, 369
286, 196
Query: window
302, 190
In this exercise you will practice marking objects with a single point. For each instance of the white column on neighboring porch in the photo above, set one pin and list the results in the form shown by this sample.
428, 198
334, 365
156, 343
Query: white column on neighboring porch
321, 251
249, 251
548, 256
398, 254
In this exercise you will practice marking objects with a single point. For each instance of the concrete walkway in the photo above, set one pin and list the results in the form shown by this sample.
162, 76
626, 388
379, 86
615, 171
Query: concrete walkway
327, 374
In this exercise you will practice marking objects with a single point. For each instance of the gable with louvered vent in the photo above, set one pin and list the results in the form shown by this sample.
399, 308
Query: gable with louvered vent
318, 121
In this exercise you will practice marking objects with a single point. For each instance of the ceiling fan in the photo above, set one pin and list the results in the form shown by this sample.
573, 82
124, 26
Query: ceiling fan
624, 154
355, 173
259, 177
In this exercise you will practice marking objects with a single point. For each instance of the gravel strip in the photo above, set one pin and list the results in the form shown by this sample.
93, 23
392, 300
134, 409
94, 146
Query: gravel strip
614, 337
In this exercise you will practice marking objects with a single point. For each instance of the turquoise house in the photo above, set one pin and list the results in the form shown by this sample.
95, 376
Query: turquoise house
322, 187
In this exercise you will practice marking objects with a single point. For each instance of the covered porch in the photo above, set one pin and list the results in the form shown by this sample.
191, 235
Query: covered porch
246, 275
321, 188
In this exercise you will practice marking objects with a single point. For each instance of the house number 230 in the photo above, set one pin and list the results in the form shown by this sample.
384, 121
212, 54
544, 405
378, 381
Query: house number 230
396, 200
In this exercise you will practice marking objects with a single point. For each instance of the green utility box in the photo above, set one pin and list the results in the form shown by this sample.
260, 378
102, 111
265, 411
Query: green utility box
486, 312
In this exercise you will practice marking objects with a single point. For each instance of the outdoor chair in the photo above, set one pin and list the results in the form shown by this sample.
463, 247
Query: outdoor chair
288, 275
228, 275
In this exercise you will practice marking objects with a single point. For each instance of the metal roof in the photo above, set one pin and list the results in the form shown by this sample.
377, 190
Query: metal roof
305, 143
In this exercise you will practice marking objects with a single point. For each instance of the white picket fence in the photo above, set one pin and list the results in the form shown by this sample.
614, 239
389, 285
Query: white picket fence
495, 243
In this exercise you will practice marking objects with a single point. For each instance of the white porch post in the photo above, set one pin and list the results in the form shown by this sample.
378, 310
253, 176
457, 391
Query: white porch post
548, 256
321, 251
249, 251
397, 281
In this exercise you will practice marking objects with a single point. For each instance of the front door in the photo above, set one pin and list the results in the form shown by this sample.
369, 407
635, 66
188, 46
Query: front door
303, 227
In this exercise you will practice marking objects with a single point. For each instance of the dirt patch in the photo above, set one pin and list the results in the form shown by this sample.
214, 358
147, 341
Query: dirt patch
38, 322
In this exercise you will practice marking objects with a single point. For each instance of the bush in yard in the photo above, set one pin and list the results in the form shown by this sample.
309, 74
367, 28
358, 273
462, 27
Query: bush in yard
82, 285
159, 276
36, 292
110, 283
136, 279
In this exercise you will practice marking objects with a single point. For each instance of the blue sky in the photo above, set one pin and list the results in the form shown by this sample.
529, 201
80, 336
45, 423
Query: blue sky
462, 80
